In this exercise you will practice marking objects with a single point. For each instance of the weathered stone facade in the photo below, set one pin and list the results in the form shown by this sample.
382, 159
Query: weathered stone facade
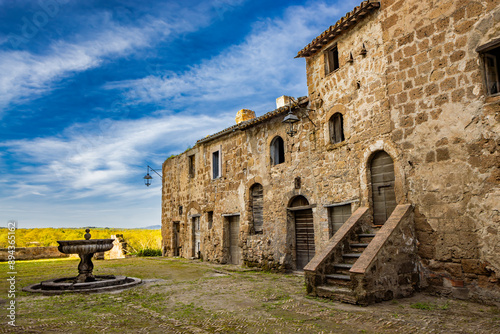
408, 81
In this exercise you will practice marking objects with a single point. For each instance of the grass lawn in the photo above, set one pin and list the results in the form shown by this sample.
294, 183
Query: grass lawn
183, 296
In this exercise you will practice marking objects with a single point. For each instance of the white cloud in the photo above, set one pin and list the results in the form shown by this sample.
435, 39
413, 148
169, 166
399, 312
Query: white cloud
99, 158
26, 75
263, 62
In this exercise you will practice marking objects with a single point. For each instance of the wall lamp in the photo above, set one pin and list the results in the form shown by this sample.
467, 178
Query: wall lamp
290, 119
148, 178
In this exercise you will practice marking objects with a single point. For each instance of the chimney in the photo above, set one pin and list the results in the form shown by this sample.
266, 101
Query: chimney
283, 101
244, 115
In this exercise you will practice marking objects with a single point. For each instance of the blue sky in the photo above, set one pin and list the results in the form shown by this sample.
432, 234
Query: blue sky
91, 92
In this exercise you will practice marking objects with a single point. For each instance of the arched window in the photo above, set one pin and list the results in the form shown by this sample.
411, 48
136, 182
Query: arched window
336, 124
277, 151
257, 203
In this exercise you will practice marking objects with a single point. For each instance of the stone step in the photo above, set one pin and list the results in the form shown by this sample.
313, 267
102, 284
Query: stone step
338, 280
365, 237
343, 265
342, 268
351, 257
358, 247
338, 276
338, 293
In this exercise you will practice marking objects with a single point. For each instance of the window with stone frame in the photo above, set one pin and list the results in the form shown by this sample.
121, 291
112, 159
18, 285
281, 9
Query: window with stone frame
332, 59
191, 167
337, 216
490, 54
277, 151
210, 219
336, 125
257, 205
216, 164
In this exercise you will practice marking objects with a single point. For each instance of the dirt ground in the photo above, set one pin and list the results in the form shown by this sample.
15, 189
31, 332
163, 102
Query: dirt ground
182, 296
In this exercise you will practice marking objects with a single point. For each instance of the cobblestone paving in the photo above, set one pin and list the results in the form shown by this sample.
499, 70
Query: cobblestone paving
197, 297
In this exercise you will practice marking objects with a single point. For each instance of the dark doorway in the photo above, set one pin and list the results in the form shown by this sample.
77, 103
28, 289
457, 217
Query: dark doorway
234, 234
196, 236
176, 230
304, 232
383, 195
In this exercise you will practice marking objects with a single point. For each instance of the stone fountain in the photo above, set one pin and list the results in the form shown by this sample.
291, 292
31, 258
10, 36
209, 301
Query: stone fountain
86, 281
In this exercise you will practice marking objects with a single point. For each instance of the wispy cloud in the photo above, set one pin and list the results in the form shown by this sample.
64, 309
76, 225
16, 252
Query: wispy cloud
263, 62
98, 158
26, 75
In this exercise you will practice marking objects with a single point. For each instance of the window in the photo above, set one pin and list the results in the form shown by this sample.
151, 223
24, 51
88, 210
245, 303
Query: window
336, 124
210, 219
216, 165
257, 203
191, 167
490, 53
332, 59
277, 151
337, 216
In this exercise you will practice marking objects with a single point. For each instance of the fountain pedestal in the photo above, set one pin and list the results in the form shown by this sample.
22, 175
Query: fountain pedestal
85, 250
85, 268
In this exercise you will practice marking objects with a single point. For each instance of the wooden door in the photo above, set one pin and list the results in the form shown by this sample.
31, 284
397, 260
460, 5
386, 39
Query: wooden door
383, 195
234, 234
304, 237
258, 208
196, 237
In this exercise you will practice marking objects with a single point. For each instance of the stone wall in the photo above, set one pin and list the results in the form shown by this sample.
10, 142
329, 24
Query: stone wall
32, 253
448, 129
417, 94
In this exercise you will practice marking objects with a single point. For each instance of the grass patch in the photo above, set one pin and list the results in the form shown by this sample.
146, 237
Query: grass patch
430, 306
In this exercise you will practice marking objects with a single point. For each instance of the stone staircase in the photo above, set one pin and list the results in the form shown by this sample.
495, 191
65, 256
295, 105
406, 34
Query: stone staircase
338, 284
360, 267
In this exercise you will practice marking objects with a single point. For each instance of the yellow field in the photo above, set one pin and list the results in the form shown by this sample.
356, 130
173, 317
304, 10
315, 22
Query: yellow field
136, 239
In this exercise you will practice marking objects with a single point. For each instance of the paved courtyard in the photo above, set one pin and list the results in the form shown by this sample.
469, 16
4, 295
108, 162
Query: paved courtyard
183, 296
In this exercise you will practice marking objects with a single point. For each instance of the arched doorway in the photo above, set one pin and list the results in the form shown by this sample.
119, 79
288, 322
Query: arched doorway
304, 232
382, 180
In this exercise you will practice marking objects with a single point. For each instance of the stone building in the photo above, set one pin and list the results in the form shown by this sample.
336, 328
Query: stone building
390, 182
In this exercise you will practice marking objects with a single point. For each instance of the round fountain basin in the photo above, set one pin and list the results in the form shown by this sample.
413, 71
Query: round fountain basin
85, 246
103, 283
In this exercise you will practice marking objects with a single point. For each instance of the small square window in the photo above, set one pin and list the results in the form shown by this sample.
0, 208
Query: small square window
490, 53
332, 59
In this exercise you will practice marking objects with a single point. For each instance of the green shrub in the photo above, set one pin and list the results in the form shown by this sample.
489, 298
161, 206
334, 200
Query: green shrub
149, 252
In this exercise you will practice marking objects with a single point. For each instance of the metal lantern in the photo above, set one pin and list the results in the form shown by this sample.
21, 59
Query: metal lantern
290, 119
148, 178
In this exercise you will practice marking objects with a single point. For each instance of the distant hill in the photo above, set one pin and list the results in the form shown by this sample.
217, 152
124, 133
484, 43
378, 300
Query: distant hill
152, 227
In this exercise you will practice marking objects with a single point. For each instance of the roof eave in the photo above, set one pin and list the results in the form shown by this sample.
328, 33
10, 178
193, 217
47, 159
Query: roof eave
345, 23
